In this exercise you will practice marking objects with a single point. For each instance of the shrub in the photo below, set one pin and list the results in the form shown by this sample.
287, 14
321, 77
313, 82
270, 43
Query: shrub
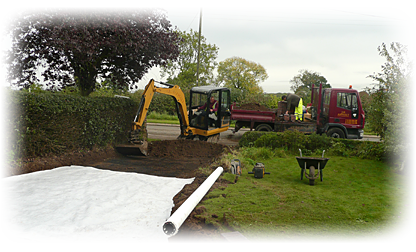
250, 137
371, 150
338, 148
270, 140
313, 144
288, 140
318, 142
294, 140
349, 143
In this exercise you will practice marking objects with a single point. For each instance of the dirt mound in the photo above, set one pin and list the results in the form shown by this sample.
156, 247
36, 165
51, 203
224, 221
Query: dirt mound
253, 106
184, 148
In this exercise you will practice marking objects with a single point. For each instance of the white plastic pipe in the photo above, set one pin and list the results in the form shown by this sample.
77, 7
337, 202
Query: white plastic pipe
173, 224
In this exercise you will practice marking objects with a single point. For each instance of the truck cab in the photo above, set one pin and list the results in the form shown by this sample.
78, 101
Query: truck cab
339, 112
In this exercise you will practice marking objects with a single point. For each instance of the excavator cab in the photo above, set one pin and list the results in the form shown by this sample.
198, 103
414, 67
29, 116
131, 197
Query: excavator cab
209, 108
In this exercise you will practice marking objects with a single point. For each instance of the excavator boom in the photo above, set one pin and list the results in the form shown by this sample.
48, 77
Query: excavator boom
138, 137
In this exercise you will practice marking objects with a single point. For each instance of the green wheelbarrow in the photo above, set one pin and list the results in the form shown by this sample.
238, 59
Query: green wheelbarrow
314, 165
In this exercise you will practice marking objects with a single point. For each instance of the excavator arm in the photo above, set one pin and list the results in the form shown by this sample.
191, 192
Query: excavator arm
138, 137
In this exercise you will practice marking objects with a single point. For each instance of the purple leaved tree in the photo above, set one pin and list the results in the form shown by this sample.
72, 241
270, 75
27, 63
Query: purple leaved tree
74, 49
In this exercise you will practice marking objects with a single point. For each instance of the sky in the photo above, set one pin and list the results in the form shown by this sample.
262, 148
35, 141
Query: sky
336, 42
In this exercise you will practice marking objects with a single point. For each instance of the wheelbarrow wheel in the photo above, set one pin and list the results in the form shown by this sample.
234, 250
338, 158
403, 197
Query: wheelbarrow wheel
311, 175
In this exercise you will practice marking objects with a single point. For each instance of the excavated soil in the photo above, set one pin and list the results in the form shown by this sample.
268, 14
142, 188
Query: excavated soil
253, 106
168, 158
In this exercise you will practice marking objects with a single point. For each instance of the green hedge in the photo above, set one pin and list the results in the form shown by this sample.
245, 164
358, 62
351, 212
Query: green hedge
292, 141
49, 123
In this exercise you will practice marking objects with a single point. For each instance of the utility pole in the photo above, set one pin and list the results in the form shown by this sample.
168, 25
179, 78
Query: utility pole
199, 48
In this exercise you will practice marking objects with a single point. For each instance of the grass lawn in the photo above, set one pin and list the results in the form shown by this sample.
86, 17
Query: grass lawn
356, 197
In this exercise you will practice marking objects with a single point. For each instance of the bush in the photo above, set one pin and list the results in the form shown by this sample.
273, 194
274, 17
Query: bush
313, 144
371, 150
270, 140
294, 140
338, 149
248, 138
48, 123
288, 140
318, 142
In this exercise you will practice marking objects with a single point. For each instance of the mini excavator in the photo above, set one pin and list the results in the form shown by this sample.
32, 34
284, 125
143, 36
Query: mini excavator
201, 122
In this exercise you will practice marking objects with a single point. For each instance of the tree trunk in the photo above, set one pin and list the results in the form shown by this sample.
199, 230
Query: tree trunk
86, 79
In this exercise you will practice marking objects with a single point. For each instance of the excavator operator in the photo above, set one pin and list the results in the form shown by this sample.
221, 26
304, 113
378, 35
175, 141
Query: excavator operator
212, 105
212, 109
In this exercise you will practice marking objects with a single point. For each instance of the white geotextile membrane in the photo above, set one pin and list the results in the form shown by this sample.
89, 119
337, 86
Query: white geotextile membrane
85, 203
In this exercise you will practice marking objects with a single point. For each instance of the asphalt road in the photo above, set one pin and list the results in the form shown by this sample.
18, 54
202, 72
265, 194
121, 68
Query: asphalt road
172, 131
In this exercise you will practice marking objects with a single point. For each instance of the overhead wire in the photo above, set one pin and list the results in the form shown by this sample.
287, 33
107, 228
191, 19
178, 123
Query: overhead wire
192, 21
285, 19
368, 15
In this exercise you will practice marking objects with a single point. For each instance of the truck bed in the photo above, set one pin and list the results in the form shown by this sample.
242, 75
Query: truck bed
252, 118
307, 127
253, 115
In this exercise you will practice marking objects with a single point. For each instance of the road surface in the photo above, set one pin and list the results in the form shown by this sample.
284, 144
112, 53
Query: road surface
172, 131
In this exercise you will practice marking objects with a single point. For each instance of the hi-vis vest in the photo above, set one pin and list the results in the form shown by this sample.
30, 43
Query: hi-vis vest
214, 115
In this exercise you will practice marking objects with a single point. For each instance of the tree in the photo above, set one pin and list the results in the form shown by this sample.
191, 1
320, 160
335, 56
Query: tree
387, 112
182, 71
306, 78
302, 83
241, 76
76, 49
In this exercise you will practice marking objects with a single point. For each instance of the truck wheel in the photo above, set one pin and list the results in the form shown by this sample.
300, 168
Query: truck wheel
264, 127
336, 133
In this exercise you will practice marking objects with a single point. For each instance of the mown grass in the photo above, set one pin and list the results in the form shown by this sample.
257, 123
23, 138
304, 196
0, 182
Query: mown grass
356, 197
154, 117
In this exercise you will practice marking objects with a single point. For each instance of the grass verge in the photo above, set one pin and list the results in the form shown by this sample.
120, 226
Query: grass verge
356, 197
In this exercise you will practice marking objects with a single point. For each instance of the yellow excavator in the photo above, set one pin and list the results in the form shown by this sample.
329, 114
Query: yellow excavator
209, 115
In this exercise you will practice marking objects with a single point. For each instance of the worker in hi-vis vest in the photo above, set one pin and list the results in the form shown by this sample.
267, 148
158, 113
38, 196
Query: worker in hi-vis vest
295, 103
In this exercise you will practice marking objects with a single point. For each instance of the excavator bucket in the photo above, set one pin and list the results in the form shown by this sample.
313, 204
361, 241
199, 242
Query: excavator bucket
133, 149
137, 145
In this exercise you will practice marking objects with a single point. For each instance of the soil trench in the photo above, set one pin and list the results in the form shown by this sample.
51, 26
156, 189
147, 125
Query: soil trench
168, 158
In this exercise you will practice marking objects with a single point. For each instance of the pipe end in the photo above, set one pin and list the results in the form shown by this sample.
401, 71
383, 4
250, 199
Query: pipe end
169, 228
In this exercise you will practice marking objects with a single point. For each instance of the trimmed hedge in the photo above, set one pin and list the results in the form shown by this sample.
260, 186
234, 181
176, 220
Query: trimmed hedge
49, 123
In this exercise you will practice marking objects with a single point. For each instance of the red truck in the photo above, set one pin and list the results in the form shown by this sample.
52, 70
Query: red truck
336, 112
